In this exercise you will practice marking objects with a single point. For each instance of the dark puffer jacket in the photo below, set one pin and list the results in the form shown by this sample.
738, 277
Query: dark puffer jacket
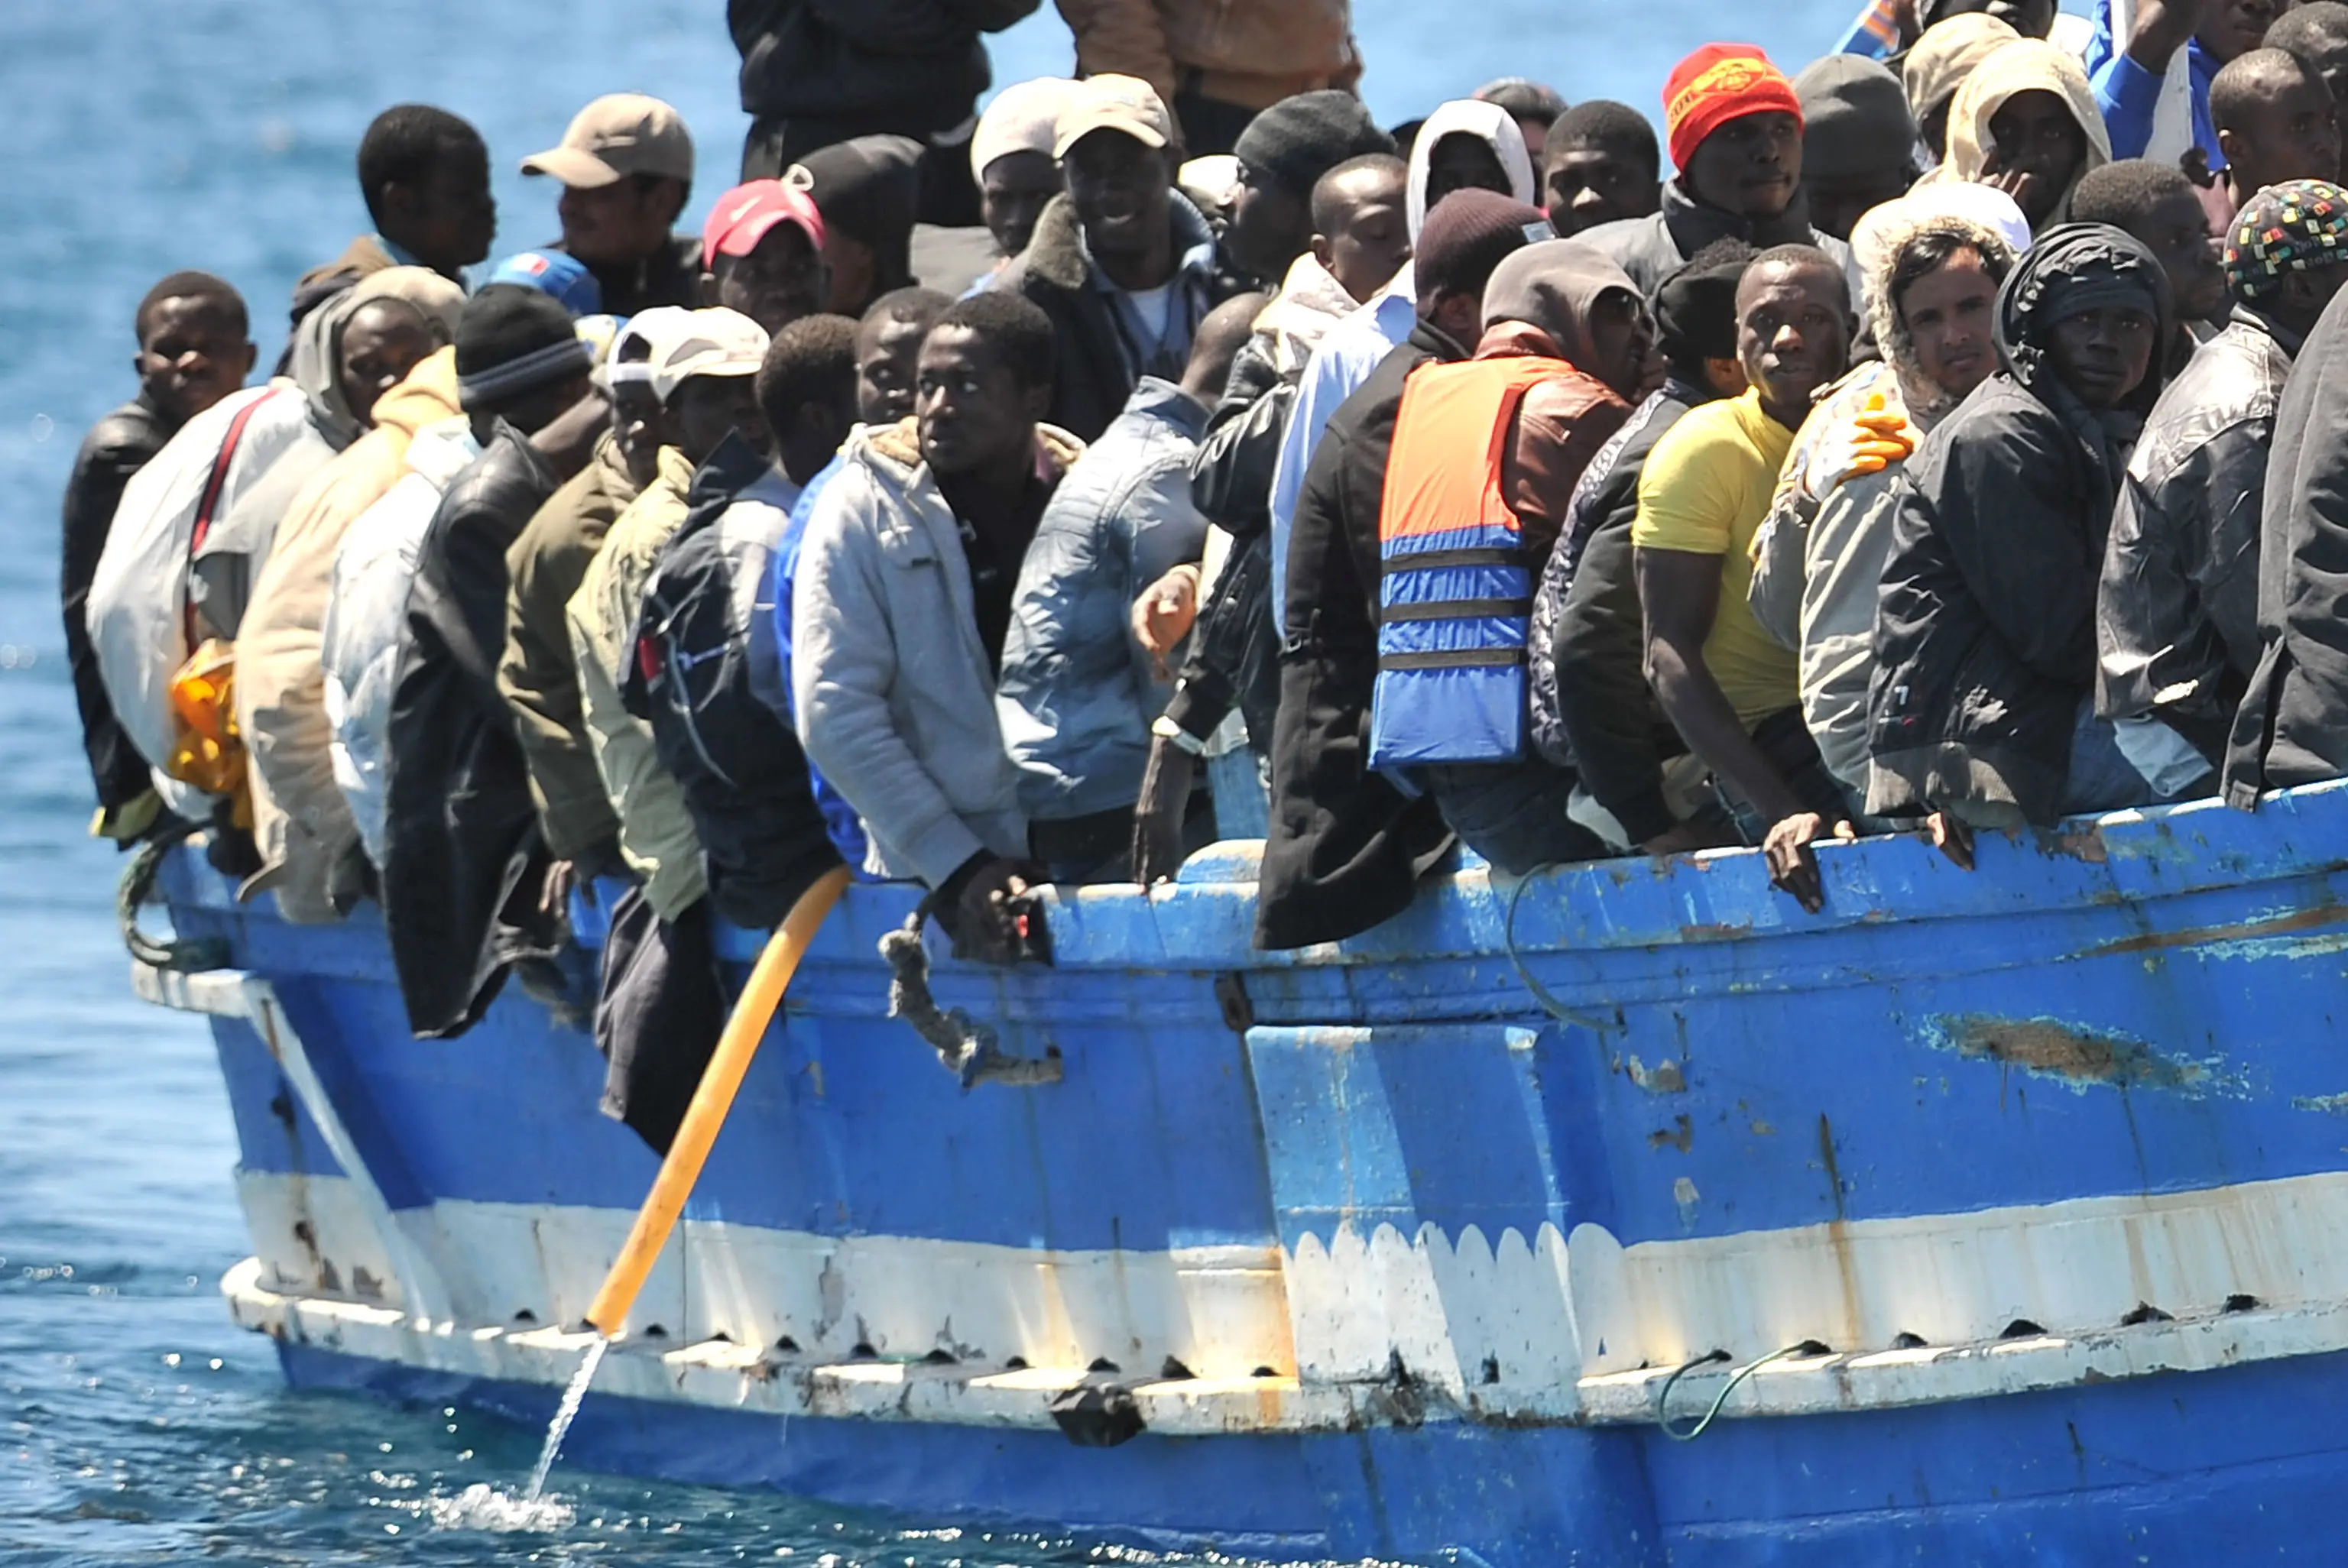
745, 778
911, 67
1985, 630
2292, 728
462, 828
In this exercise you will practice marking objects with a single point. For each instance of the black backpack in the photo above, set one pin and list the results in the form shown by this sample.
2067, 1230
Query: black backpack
743, 773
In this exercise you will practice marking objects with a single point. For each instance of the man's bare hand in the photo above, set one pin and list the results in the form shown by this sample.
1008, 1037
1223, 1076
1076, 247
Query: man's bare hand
554, 897
1165, 613
1793, 865
2163, 27
1952, 835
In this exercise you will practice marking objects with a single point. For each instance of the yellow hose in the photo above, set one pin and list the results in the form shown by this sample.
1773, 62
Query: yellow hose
720, 1082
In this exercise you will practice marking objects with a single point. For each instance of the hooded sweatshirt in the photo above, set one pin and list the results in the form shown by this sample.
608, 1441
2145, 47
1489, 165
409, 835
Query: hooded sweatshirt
1487, 123
1985, 630
148, 577
1944, 57
302, 824
231, 560
1854, 118
1352, 348
1817, 561
1539, 303
2026, 64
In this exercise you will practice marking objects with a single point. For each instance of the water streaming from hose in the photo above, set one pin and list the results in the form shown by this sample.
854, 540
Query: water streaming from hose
564, 1414
689, 1150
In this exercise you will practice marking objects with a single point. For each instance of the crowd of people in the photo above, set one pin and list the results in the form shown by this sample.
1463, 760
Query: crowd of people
1929, 443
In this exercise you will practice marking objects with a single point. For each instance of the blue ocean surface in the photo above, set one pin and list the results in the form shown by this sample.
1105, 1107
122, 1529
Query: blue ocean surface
135, 1424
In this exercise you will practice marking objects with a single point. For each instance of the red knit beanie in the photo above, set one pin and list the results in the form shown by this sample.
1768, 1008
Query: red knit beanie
1719, 83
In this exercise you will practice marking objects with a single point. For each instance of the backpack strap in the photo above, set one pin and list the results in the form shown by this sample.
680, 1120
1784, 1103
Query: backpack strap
210, 501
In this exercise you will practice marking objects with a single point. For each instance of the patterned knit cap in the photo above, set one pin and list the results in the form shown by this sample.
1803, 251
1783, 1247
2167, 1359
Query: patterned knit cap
2294, 227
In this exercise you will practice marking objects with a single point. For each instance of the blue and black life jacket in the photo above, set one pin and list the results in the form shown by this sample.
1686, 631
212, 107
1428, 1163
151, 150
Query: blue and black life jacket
1454, 588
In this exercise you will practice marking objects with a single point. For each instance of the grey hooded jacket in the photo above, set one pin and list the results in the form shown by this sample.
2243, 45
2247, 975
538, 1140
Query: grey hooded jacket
891, 689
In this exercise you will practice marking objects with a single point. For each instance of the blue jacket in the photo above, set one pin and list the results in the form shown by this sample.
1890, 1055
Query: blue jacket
2127, 93
1078, 695
770, 660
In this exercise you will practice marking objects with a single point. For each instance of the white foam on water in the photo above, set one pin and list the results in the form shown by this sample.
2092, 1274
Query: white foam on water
483, 1507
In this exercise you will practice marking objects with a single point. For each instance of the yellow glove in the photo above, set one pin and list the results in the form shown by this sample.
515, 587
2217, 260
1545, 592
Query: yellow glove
1879, 437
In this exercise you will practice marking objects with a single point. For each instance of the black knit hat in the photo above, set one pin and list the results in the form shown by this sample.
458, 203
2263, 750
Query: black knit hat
1299, 139
1467, 235
1695, 307
511, 341
870, 189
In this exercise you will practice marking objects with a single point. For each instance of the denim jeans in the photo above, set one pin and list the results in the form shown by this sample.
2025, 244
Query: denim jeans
2101, 777
1242, 803
1511, 814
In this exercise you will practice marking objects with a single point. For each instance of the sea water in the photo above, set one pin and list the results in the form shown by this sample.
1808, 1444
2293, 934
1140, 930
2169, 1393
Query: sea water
137, 1424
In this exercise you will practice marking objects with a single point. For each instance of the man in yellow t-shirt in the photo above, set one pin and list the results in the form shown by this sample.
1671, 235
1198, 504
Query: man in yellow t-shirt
1728, 687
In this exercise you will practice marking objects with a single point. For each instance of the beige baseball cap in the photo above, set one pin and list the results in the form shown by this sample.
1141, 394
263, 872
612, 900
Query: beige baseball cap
717, 342
1124, 104
618, 135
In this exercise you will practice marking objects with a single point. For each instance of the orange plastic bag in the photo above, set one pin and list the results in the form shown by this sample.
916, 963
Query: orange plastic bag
207, 750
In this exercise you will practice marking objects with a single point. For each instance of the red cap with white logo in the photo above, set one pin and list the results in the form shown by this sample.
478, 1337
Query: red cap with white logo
747, 214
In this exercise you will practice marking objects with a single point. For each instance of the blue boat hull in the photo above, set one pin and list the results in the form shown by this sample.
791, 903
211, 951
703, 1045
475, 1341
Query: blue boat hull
2225, 1468
2033, 1178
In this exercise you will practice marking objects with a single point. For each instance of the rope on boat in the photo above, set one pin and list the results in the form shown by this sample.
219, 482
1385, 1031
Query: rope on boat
1664, 1399
966, 1048
1547, 999
183, 954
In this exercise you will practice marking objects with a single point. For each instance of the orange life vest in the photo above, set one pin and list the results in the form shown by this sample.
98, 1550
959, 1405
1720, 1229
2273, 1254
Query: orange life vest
1454, 588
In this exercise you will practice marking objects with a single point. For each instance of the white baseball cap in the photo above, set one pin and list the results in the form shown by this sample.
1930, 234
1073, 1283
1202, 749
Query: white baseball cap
716, 342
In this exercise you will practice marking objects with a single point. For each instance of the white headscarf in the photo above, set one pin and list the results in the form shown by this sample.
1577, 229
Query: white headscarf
1487, 123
